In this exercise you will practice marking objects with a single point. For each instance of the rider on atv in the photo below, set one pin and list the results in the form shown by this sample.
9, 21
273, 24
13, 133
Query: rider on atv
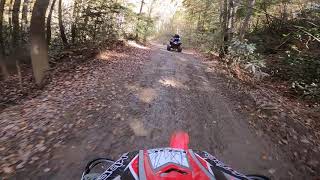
175, 43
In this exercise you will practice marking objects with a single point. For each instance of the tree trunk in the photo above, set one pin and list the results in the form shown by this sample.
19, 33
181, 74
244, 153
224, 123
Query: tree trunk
284, 14
141, 7
151, 8
39, 47
224, 33
245, 24
257, 23
85, 22
232, 12
25, 8
75, 15
2, 4
61, 27
10, 16
3, 66
49, 22
140, 12
18, 67
15, 23
148, 22
221, 12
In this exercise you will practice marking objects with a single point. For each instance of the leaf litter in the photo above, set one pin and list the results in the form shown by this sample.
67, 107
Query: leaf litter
291, 123
44, 118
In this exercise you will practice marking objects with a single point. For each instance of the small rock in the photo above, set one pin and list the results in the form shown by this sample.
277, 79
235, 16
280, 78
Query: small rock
67, 82
118, 115
271, 171
50, 133
19, 166
284, 141
264, 157
295, 137
308, 121
46, 170
313, 163
35, 158
283, 114
42, 148
7, 170
304, 140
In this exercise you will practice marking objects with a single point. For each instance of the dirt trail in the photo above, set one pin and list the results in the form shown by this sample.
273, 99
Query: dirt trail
171, 91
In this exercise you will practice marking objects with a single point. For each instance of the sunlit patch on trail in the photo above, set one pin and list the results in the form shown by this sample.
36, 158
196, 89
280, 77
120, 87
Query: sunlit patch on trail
147, 95
189, 52
111, 55
182, 59
173, 82
134, 44
132, 87
138, 128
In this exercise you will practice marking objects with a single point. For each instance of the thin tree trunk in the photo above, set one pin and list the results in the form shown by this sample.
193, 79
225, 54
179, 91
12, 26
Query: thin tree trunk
95, 29
2, 4
245, 24
86, 20
224, 44
140, 12
148, 22
15, 23
24, 21
61, 27
141, 7
199, 22
49, 22
10, 16
75, 20
257, 23
39, 47
151, 8
233, 10
19, 74
284, 14
3, 66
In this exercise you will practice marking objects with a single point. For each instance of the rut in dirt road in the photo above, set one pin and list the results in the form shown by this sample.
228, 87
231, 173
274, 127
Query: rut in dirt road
170, 91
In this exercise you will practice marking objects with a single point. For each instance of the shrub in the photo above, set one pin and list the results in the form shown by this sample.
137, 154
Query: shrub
244, 54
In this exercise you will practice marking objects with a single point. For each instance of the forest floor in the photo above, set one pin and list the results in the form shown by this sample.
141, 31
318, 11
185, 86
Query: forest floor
134, 98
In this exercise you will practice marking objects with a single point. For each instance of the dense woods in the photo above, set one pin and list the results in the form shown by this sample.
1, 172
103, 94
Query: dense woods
33, 29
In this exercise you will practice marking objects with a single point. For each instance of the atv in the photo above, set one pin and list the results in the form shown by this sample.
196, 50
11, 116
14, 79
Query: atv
175, 44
